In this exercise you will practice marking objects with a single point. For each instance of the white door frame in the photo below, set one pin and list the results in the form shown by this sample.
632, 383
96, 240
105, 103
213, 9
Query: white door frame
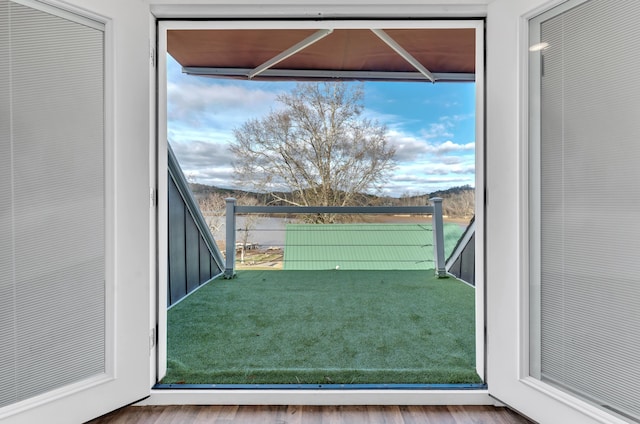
310, 397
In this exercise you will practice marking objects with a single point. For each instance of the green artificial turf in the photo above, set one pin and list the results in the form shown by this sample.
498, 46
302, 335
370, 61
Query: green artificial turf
320, 327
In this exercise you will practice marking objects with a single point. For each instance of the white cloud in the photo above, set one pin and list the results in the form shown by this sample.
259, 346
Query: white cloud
202, 114
216, 105
403, 183
394, 123
451, 160
427, 167
205, 162
450, 147
444, 127
409, 148
437, 130
211, 162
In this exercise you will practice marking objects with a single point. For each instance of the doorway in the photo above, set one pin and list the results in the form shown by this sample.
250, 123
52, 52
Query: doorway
350, 30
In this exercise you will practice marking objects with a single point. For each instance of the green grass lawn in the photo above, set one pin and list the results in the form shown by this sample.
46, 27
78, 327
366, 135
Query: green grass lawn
322, 327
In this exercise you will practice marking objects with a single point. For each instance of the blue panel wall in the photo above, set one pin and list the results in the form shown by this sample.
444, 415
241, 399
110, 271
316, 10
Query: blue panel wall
193, 256
177, 254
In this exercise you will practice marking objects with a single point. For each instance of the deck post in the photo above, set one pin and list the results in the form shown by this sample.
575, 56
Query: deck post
230, 242
438, 238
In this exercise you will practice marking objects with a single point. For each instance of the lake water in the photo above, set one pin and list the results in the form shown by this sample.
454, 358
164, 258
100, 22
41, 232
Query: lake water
270, 231
266, 231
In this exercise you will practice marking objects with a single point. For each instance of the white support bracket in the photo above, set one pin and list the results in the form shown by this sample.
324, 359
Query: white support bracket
405, 54
316, 36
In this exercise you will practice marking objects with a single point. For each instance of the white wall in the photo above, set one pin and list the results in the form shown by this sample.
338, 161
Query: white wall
317, 8
502, 174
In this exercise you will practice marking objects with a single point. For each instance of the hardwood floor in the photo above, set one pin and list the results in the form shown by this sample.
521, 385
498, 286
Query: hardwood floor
190, 414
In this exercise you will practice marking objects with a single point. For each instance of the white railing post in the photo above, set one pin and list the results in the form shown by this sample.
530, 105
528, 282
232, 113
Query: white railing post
230, 242
438, 238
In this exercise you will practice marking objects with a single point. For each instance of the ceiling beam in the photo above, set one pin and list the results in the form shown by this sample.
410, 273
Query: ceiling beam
316, 36
328, 74
404, 54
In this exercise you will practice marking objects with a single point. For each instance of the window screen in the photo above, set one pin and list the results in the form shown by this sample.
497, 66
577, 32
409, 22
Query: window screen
52, 201
585, 191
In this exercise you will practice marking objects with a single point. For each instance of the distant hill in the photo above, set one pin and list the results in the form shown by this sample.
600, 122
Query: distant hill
201, 190
452, 191
457, 202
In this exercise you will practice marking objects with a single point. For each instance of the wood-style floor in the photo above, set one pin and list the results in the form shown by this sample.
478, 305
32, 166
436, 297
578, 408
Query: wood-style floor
189, 414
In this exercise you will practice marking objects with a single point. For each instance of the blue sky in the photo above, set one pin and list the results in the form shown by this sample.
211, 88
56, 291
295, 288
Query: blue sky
431, 126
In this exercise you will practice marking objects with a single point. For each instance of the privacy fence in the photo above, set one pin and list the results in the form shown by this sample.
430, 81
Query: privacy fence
194, 257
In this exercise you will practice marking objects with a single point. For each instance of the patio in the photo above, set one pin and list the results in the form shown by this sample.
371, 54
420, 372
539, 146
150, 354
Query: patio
324, 327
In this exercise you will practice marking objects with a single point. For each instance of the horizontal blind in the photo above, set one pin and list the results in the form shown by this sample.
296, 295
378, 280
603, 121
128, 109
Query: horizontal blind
7, 286
52, 202
589, 191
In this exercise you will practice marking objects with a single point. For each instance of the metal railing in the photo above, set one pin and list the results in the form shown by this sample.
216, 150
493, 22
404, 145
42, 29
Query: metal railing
435, 210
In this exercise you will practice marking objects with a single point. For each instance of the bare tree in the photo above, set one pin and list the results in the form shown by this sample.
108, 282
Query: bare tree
409, 198
459, 204
247, 224
213, 207
317, 150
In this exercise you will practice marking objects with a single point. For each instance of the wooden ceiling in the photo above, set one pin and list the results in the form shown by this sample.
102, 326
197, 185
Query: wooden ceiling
362, 54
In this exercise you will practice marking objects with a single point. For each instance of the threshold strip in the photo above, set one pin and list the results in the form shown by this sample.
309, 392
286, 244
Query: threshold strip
394, 386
